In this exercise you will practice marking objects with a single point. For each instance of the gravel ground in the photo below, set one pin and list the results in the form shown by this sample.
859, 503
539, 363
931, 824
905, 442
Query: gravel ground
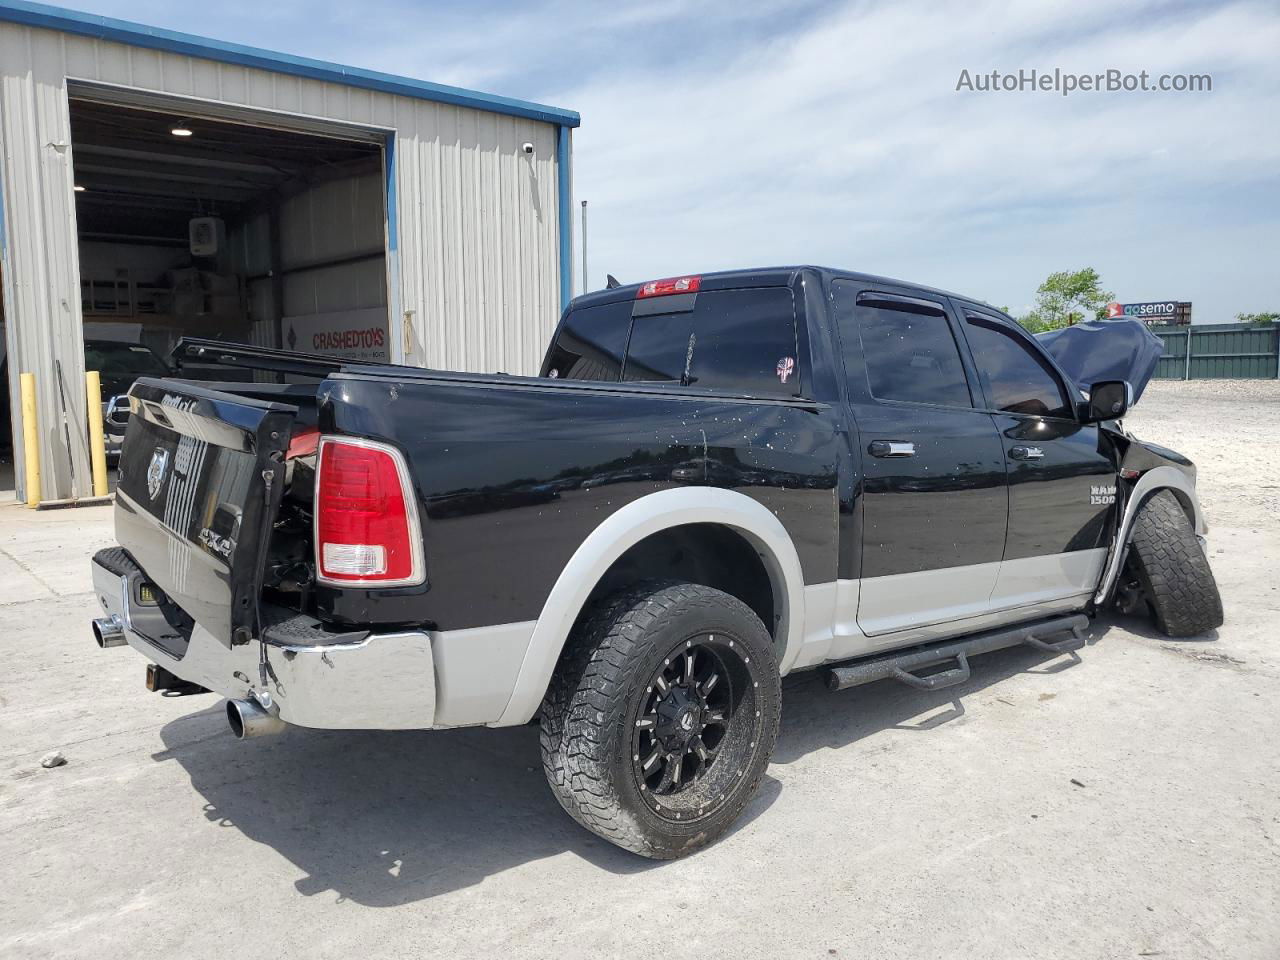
1122, 803
1231, 429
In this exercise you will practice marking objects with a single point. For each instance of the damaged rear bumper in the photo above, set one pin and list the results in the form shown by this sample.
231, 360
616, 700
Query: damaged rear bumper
386, 681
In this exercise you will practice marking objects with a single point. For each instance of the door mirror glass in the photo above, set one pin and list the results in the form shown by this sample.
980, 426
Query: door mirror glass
1108, 400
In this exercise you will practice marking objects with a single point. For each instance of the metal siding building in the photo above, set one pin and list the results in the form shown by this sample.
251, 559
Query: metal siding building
477, 246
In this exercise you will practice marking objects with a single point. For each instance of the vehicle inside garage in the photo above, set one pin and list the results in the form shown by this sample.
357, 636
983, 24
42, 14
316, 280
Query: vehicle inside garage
237, 231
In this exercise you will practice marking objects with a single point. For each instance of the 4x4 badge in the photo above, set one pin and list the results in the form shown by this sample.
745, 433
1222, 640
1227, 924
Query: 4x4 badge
155, 471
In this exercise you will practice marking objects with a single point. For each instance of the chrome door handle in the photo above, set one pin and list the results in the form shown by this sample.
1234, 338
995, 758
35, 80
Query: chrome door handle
891, 448
1026, 453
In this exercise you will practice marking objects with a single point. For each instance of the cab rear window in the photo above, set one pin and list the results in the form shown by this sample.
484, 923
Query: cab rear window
591, 343
740, 341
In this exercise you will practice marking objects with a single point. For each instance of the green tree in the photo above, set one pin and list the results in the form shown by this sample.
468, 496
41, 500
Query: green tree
1261, 319
1067, 297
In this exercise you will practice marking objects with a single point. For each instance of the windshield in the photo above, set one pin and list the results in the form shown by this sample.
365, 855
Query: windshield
122, 360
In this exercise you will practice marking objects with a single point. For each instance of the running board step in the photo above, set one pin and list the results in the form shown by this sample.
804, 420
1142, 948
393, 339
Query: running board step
900, 664
935, 681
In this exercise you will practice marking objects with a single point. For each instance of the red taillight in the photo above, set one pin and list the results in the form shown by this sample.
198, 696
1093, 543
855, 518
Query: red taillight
665, 288
366, 520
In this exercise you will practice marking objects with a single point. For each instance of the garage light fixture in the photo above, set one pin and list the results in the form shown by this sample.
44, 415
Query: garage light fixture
181, 129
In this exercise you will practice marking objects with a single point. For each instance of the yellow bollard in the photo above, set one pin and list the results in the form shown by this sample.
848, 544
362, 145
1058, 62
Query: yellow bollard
30, 438
97, 445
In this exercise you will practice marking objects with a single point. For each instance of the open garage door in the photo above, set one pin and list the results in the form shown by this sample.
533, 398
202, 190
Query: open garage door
231, 230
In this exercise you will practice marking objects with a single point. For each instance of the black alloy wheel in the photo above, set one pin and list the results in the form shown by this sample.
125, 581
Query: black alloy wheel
697, 726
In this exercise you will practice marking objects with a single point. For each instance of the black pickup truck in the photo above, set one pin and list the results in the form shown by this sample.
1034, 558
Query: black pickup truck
716, 481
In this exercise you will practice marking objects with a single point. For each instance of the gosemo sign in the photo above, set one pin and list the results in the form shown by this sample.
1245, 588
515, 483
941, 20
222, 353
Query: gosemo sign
1158, 311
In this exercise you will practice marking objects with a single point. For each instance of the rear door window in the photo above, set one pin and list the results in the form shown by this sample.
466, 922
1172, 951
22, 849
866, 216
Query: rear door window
740, 341
1017, 378
911, 354
591, 343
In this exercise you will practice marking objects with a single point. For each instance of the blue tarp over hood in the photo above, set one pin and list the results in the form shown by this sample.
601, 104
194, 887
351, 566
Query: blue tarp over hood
1120, 349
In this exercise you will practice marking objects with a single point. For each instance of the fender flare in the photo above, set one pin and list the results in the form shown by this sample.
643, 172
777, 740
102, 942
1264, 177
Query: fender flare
1151, 483
627, 527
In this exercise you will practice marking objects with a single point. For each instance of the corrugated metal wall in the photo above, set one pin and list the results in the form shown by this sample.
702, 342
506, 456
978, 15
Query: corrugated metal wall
250, 244
340, 219
475, 251
332, 254
1228, 351
42, 265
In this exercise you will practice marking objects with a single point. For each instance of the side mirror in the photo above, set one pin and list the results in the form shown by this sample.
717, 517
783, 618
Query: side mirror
117, 415
1108, 400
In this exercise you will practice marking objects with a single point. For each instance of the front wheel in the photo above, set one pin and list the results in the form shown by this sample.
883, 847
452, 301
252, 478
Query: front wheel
1169, 567
662, 717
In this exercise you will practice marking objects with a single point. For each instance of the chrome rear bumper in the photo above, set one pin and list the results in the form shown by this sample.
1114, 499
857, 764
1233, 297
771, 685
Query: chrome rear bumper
384, 682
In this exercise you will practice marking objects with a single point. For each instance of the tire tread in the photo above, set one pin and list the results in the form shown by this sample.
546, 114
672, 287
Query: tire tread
1173, 570
579, 719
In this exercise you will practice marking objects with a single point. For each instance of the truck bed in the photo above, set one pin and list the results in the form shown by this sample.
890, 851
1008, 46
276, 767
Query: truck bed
533, 463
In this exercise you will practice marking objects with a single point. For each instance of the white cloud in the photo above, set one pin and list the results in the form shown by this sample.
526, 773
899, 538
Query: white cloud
721, 134
848, 144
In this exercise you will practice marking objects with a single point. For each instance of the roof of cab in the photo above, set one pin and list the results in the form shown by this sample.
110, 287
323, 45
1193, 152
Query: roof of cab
763, 277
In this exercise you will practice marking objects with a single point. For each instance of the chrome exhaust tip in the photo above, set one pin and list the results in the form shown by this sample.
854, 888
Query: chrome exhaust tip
249, 720
109, 632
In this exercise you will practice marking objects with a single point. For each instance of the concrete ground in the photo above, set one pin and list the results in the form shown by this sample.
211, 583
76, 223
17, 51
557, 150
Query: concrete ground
1125, 803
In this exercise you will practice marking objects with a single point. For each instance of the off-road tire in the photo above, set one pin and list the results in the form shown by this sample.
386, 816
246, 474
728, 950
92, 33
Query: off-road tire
589, 714
1171, 568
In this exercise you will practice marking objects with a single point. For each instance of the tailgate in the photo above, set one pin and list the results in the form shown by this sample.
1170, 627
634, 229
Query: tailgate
201, 475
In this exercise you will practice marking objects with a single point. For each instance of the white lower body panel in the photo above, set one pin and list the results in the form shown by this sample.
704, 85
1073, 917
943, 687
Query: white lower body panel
1034, 580
851, 618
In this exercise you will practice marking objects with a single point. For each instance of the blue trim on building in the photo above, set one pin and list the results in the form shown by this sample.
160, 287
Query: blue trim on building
153, 38
395, 307
564, 212
393, 217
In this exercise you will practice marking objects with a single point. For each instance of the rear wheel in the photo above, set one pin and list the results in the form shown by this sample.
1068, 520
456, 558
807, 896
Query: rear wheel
662, 717
1169, 567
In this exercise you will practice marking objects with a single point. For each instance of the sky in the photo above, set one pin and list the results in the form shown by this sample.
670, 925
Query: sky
719, 134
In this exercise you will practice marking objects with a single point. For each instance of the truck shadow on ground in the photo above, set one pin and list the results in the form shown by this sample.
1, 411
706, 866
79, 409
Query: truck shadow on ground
388, 818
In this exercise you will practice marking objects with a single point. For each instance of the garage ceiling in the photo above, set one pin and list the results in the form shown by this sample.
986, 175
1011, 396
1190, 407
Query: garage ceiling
143, 183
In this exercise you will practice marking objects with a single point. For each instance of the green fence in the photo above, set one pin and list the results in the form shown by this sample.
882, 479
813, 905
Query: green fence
1226, 351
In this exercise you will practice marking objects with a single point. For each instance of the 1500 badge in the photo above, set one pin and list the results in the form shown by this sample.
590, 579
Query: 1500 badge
1101, 496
